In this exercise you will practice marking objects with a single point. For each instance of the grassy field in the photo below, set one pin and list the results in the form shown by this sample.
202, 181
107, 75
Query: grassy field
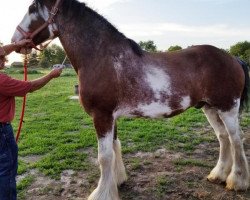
59, 132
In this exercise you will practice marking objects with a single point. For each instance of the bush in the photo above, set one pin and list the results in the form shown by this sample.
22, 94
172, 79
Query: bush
30, 71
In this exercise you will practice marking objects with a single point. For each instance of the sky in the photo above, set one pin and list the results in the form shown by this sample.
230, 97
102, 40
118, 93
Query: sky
221, 23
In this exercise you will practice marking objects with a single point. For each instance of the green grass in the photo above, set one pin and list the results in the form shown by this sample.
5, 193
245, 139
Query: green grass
163, 183
22, 167
60, 131
24, 183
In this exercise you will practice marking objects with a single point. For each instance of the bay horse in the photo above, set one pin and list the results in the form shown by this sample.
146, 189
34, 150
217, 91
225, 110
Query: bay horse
117, 78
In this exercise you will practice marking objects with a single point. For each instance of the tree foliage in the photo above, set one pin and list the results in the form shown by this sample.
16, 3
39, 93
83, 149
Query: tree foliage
148, 46
174, 48
241, 50
33, 59
50, 56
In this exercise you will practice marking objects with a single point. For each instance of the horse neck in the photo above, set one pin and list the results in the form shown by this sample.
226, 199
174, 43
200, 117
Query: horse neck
87, 40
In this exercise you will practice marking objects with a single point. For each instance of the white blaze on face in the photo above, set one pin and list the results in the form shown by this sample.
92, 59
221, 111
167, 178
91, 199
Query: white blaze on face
44, 13
25, 23
159, 81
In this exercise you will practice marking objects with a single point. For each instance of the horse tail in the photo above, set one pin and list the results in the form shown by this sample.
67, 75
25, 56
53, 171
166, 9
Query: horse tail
244, 103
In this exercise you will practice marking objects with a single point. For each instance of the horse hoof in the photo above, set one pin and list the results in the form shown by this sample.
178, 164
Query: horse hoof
237, 185
214, 179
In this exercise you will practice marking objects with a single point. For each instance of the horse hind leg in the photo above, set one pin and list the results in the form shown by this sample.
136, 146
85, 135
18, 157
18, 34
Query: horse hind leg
223, 167
107, 185
119, 169
238, 178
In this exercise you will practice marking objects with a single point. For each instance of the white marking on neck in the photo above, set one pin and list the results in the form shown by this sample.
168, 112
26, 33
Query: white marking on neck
118, 64
118, 68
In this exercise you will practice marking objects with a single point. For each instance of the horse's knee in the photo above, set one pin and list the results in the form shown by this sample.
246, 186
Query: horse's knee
105, 149
105, 159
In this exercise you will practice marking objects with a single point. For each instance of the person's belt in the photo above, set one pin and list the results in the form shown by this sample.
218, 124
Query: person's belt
2, 124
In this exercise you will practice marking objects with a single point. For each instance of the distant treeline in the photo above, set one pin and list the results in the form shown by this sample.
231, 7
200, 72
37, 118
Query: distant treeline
241, 49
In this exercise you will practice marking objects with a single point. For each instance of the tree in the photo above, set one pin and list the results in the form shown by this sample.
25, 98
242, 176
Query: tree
58, 54
148, 46
33, 60
241, 50
51, 55
174, 48
44, 63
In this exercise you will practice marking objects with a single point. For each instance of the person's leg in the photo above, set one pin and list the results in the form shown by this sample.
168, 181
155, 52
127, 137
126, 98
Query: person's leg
14, 153
8, 164
5, 166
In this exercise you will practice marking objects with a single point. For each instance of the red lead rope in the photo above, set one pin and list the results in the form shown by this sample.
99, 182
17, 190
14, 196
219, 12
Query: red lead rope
24, 98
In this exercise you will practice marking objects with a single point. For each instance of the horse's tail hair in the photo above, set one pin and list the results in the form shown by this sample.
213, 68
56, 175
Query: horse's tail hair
244, 103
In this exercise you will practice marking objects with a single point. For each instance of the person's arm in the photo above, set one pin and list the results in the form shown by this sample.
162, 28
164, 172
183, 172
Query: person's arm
7, 49
39, 83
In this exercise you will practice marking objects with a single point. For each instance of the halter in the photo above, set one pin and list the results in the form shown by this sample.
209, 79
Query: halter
50, 21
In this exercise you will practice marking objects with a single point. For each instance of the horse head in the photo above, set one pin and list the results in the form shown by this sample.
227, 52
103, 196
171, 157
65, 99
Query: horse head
38, 23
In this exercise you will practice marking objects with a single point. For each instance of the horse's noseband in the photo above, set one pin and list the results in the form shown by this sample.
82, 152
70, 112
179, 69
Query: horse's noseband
23, 32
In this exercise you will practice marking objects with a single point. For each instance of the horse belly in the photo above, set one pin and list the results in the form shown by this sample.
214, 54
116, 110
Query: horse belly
155, 109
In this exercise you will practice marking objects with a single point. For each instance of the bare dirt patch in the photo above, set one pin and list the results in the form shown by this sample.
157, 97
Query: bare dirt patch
159, 175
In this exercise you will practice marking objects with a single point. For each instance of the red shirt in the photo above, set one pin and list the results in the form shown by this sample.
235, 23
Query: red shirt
9, 89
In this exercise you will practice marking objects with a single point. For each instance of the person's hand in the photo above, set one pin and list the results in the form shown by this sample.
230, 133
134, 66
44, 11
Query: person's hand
56, 72
23, 43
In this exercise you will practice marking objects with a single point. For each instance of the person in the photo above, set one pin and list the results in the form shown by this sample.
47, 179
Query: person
9, 89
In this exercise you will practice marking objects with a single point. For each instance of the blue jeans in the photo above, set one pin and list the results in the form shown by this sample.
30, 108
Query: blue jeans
8, 163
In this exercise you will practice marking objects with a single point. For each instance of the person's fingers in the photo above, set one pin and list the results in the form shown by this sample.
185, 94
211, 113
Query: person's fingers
24, 42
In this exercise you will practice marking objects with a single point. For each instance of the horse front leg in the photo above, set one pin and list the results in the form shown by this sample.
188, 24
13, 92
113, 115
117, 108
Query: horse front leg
120, 171
107, 186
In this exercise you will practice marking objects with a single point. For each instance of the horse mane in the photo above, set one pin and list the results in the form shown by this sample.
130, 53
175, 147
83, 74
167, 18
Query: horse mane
76, 10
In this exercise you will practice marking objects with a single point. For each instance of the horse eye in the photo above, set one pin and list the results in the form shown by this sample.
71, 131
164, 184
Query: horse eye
32, 8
